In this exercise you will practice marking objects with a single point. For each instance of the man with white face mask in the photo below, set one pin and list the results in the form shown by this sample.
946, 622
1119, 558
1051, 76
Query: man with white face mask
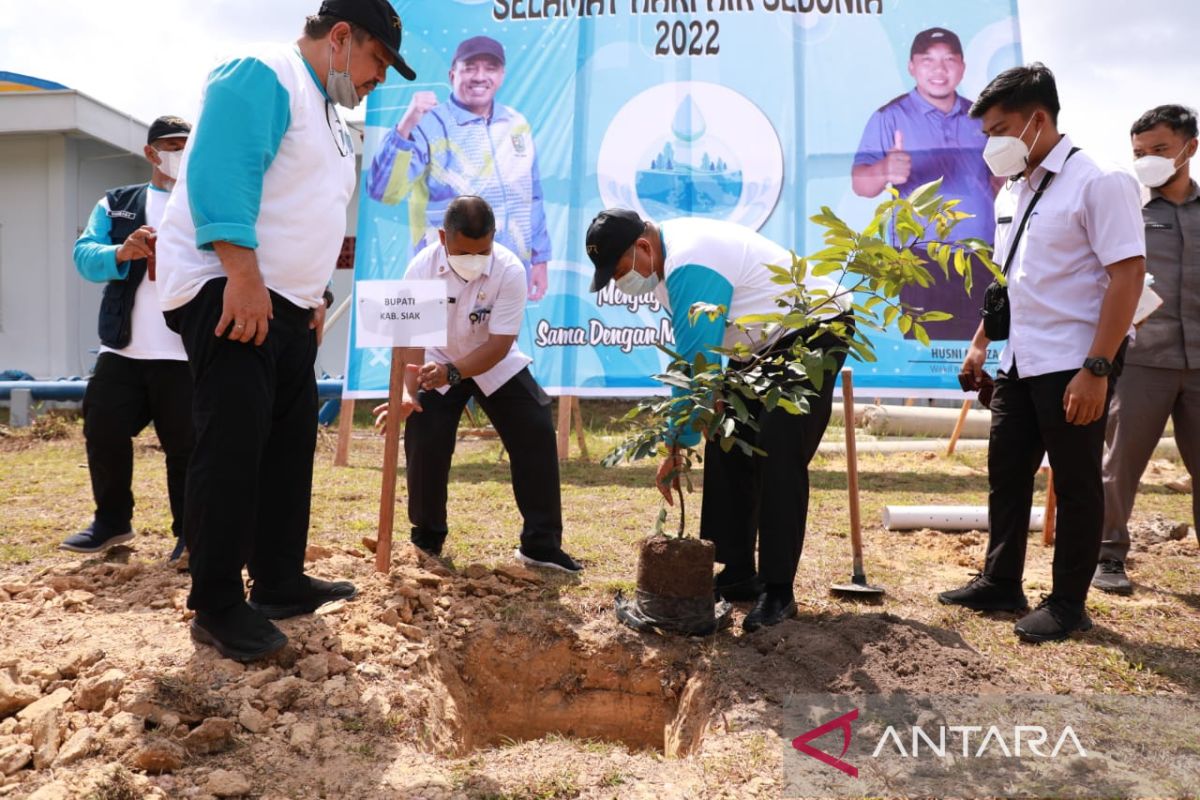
485, 283
1162, 365
748, 500
141, 375
247, 246
1069, 234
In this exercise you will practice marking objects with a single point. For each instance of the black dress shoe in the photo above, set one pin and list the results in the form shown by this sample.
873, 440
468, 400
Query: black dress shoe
238, 632
738, 584
739, 592
771, 609
311, 595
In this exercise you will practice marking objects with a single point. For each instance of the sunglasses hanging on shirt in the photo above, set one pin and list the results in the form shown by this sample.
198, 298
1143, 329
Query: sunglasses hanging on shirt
341, 137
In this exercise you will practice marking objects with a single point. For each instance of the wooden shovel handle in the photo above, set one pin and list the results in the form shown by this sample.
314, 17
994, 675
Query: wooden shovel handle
852, 468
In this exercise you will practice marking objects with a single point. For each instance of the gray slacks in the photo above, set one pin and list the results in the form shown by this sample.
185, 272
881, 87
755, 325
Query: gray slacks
1145, 398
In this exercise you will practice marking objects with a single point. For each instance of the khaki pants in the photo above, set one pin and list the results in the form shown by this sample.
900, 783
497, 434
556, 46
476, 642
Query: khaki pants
1146, 397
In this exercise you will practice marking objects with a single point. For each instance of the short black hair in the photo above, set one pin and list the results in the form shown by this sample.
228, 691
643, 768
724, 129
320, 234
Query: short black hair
1020, 89
1180, 119
469, 216
318, 26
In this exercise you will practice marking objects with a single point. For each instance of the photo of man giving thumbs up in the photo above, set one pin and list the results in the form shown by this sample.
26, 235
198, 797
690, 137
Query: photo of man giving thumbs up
466, 143
919, 137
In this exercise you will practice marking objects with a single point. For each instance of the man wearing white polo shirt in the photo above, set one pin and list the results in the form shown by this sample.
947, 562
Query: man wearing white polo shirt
485, 283
1070, 233
760, 499
248, 243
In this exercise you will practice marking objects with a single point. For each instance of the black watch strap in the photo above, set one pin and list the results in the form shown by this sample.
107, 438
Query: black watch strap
453, 376
328, 296
1098, 366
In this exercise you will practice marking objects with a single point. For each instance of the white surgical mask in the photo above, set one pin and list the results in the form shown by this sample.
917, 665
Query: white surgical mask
469, 267
168, 163
339, 85
1007, 156
635, 284
1154, 171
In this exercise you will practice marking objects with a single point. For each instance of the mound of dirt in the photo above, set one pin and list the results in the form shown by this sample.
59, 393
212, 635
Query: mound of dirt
102, 692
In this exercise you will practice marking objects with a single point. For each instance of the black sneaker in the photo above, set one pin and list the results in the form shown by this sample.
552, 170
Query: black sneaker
771, 608
1110, 577
737, 585
238, 632
987, 594
547, 559
1053, 619
95, 539
312, 594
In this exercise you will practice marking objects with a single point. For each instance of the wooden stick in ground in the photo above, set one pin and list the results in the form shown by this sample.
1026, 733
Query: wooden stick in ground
577, 415
345, 430
958, 427
564, 426
852, 469
1051, 510
391, 460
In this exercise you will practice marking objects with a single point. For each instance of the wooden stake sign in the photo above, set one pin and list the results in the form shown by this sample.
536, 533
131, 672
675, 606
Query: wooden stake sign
398, 314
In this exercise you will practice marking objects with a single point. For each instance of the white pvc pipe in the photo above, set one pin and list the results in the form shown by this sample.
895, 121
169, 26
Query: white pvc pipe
947, 518
333, 318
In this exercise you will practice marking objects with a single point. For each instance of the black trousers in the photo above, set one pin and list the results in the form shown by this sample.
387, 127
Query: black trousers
1028, 422
123, 396
765, 498
520, 412
250, 481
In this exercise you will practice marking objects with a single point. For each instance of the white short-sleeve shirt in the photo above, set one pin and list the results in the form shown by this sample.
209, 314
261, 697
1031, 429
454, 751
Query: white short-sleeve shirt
492, 303
1089, 218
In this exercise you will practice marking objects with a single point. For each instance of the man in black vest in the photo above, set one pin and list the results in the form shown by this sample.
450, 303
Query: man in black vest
142, 374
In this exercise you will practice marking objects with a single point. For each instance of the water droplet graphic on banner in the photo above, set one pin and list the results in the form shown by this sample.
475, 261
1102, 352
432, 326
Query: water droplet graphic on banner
691, 173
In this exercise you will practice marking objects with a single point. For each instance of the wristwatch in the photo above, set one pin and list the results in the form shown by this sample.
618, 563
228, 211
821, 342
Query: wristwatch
1098, 366
328, 297
453, 376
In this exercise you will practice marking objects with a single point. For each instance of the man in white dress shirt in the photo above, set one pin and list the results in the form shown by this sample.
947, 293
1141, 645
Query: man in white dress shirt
1074, 232
485, 283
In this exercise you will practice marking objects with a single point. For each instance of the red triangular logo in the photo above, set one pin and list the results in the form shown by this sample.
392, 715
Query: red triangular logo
801, 742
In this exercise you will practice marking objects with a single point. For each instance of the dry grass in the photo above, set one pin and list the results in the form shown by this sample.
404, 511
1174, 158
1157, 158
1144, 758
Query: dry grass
1142, 644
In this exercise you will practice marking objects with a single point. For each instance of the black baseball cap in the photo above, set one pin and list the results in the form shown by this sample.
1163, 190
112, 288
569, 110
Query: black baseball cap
376, 17
479, 46
928, 38
611, 233
168, 128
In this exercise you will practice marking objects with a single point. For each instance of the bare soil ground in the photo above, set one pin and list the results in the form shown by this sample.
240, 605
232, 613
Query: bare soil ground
476, 678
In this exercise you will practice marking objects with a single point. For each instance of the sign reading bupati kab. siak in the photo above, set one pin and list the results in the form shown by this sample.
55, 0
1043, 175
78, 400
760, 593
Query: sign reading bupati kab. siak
753, 111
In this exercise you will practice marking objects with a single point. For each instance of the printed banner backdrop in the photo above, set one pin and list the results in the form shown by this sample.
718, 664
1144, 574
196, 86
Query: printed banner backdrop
755, 111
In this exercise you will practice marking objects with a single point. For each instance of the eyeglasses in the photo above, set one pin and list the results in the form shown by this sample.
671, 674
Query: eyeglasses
341, 137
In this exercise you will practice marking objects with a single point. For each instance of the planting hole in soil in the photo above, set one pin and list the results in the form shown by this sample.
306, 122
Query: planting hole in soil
520, 686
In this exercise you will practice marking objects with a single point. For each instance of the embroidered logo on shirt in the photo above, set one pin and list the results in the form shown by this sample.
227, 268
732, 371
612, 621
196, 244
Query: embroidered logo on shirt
518, 143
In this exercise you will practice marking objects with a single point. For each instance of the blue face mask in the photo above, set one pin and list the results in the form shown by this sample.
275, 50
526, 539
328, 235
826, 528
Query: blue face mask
633, 283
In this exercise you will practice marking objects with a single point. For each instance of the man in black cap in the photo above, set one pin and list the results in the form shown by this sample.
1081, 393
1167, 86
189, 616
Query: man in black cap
919, 137
468, 145
747, 499
248, 245
141, 375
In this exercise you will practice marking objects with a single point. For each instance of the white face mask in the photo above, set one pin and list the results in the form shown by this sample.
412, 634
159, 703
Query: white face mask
1154, 171
339, 85
1007, 156
468, 267
635, 284
168, 163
